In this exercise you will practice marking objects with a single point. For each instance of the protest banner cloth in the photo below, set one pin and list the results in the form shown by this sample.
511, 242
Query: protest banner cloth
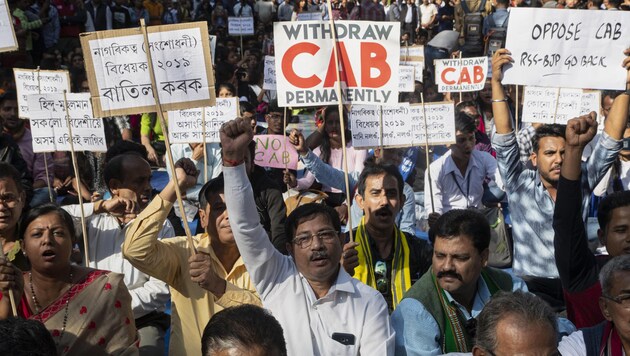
186, 126
368, 53
117, 67
269, 73
567, 48
8, 41
461, 74
30, 81
241, 26
557, 105
274, 151
406, 81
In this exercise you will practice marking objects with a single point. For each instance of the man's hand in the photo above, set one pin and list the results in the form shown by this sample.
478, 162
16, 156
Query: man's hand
433, 218
118, 206
235, 137
186, 173
350, 257
10, 279
197, 153
289, 179
202, 273
581, 130
152, 155
499, 59
297, 139
342, 211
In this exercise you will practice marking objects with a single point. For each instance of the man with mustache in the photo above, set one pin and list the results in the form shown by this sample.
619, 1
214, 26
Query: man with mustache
532, 193
322, 310
437, 315
128, 179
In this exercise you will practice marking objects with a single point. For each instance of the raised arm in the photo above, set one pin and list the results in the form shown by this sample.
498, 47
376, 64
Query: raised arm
500, 106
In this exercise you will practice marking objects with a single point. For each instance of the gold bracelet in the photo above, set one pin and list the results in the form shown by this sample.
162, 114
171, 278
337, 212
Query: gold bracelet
499, 100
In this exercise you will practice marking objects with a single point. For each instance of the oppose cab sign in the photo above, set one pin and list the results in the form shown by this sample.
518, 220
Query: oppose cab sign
369, 56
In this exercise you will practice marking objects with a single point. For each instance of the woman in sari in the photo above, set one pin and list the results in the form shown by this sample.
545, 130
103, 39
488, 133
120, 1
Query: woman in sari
12, 201
87, 311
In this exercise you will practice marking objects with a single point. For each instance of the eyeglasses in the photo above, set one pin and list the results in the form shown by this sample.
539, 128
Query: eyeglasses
9, 200
621, 299
305, 240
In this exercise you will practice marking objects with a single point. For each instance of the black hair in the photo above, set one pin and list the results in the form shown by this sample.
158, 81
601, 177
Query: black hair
325, 149
7, 171
458, 222
503, 2
126, 147
227, 86
246, 106
25, 337
46, 209
9, 95
464, 104
464, 123
378, 169
549, 130
245, 326
214, 185
610, 203
307, 212
114, 169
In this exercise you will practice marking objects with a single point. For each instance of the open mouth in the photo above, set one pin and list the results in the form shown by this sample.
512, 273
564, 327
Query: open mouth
49, 255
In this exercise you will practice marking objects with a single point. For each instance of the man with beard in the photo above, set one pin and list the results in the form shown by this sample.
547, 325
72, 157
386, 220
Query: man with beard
128, 179
437, 314
532, 193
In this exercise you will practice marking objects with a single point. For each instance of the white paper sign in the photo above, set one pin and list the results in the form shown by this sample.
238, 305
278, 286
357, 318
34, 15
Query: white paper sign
591, 101
412, 53
240, 26
418, 69
539, 104
406, 82
309, 16
365, 125
28, 81
369, 56
8, 42
567, 48
397, 128
440, 119
185, 126
49, 126
461, 75
270, 73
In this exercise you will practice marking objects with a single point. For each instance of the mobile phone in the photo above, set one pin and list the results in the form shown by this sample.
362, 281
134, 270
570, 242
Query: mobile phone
343, 338
626, 144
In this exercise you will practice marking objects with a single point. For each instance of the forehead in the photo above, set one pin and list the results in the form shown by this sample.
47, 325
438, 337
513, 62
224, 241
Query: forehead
520, 338
9, 103
215, 197
313, 222
619, 216
620, 282
380, 181
136, 167
7, 185
551, 143
50, 219
454, 245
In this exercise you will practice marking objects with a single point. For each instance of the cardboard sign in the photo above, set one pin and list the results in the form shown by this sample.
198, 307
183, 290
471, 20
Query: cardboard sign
440, 119
461, 75
49, 126
567, 48
406, 82
309, 16
240, 26
418, 69
8, 41
275, 151
369, 57
413, 53
539, 104
185, 126
29, 81
118, 71
269, 73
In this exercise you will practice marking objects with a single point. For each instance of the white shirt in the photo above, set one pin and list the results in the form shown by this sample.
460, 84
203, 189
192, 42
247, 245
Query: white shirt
605, 186
349, 307
213, 152
451, 190
426, 12
106, 237
573, 345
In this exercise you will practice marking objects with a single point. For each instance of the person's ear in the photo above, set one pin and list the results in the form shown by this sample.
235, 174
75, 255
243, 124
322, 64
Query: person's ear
478, 351
203, 218
534, 158
484, 257
359, 199
603, 306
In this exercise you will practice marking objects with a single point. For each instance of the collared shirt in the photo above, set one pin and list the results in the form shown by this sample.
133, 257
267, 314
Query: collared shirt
349, 307
532, 207
167, 260
35, 161
213, 153
417, 332
324, 173
524, 138
452, 190
106, 237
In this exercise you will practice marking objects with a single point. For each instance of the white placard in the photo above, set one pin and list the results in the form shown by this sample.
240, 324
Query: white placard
539, 105
269, 73
418, 69
461, 74
118, 71
185, 126
365, 125
591, 101
397, 128
28, 81
8, 41
369, 53
440, 119
240, 26
412, 53
49, 126
406, 82
567, 48
309, 16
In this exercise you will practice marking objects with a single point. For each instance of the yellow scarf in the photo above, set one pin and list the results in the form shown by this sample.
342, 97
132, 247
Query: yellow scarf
400, 275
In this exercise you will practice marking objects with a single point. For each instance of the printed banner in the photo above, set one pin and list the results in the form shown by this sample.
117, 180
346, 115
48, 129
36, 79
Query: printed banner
185, 126
118, 71
29, 81
567, 48
369, 56
275, 151
50, 129
461, 75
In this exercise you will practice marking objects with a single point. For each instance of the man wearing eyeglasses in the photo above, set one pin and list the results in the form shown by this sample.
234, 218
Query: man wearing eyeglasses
322, 309
9, 150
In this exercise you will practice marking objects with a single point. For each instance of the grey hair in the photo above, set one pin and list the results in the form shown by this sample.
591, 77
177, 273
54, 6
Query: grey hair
618, 264
526, 307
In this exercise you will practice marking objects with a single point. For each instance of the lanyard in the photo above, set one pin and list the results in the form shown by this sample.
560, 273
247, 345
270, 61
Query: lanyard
460, 188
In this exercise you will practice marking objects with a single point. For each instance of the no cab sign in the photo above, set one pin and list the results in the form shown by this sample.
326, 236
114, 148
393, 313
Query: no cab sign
461, 75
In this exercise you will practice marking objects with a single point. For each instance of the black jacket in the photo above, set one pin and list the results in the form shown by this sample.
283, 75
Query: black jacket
270, 206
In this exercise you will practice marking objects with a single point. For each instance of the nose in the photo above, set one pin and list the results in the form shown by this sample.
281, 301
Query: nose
317, 243
448, 264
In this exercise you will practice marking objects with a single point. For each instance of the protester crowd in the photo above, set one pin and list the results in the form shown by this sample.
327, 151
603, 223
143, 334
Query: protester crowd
485, 246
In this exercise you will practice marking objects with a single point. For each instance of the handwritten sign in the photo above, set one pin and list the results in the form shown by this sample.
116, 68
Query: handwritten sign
240, 26
567, 48
28, 81
369, 57
185, 126
591, 101
397, 128
440, 119
365, 125
270, 73
418, 69
8, 42
275, 151
309, 16
406, 83
539, 104
49, 126
118, 70
461, 75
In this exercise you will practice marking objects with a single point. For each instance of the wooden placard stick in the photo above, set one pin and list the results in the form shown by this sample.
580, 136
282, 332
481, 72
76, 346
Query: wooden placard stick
342, 125
516, 111
11, 295
203, 142
50, 194
555, 112
284, 148
380, 126
426, 149
78, 179
169, 154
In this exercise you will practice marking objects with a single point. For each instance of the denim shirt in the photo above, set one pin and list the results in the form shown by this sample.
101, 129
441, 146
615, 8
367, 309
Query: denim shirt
532, 207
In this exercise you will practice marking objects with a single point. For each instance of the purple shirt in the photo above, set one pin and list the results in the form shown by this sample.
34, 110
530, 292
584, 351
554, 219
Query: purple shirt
35, 161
